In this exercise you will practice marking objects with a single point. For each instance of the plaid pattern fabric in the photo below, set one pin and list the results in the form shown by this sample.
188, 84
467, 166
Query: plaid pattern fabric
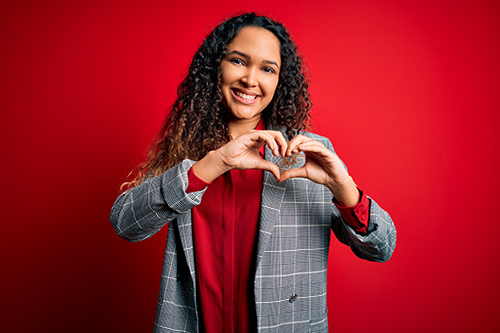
290, 281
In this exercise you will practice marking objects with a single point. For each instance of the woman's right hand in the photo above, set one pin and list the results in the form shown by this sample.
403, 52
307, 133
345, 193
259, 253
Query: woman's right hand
242, 153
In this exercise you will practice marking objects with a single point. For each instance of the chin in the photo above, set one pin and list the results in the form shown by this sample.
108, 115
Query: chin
244, 116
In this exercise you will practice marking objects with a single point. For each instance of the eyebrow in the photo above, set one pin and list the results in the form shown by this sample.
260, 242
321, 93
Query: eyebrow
244, 55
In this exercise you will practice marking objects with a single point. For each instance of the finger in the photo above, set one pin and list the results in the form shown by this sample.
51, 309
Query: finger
295, 142
293, 173
271, 167
280, 139
275, 141
313, 148
265, 136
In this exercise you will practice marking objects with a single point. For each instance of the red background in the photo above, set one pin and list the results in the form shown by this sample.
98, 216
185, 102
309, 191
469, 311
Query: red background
408, 92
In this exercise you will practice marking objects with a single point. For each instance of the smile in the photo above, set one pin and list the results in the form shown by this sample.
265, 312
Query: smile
243, 97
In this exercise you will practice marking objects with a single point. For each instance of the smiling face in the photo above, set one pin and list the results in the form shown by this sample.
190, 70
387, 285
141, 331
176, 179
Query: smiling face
250, 74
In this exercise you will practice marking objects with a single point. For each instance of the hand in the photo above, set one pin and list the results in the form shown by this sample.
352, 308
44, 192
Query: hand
242, 153
324, 167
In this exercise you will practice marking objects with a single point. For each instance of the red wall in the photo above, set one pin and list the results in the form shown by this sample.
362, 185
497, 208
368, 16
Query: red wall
408, 92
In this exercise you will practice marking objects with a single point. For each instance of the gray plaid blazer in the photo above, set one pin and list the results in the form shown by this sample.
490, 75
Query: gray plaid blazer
290, 279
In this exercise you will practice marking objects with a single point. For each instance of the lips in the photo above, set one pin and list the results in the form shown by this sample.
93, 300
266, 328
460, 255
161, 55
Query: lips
244, 97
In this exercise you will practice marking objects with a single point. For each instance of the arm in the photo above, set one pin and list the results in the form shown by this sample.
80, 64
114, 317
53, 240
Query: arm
142, 211
377, 244
324, 167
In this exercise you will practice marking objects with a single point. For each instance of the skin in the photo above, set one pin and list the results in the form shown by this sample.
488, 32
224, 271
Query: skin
252, 67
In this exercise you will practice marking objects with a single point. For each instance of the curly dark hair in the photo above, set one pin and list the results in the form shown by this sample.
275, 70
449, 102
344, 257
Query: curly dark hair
197, 121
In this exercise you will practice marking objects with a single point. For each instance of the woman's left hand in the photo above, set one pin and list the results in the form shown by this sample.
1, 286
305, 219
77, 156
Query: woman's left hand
324, 167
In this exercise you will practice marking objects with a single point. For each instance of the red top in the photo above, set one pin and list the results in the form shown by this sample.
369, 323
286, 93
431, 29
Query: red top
225, 227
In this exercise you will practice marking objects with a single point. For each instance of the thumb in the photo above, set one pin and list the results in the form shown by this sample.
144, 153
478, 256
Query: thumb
293, 173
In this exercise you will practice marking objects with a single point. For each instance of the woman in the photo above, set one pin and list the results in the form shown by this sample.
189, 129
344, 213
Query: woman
247, 250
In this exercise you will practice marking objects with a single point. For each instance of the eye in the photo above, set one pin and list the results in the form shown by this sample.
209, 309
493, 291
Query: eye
237, 61
269, 70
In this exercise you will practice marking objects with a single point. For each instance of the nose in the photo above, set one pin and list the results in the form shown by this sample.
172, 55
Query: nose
249, 78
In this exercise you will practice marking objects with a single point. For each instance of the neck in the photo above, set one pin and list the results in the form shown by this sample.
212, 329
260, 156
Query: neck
239, 127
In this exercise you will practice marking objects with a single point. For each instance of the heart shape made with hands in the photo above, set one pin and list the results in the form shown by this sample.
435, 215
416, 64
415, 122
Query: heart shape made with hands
289, 161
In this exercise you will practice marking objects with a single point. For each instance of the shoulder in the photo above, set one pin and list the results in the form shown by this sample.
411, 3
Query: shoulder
315, 136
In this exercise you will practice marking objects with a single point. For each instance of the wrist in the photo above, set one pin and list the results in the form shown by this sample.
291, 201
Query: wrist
218, 162
345, 192
210, 167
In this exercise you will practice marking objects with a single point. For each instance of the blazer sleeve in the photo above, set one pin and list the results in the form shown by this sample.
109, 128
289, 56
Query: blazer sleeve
142, 211
378, 243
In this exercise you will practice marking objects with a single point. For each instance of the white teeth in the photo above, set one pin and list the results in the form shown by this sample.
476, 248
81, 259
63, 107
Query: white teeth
245, 96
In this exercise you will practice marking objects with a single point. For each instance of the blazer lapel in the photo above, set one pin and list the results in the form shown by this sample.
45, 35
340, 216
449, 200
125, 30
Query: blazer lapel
271, 200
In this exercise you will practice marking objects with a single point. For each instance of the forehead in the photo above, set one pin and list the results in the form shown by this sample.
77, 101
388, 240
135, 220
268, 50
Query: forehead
256, 42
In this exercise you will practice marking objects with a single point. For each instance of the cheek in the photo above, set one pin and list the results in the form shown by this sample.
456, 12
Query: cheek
224, 77
224, 86
271, 87
229, 75
223, 80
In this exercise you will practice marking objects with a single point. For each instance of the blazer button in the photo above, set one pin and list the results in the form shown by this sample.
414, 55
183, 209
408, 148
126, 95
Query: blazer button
293, 298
